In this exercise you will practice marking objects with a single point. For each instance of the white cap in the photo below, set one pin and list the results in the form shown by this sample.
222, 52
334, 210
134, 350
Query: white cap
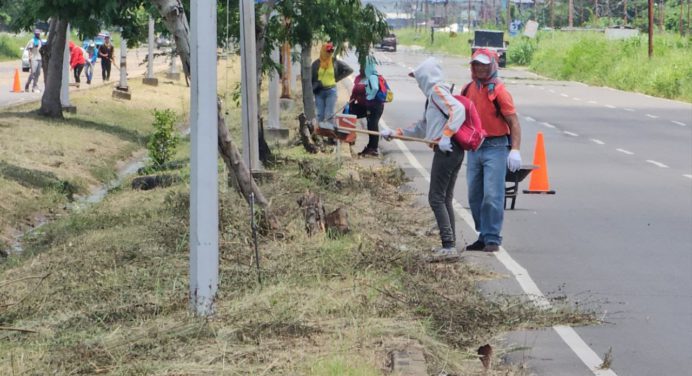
482, 58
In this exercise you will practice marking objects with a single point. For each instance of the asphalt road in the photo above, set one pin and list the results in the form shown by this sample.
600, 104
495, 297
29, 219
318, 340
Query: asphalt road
617, 236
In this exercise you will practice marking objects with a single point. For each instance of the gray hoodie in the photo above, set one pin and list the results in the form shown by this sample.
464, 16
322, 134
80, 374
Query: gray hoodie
434, 124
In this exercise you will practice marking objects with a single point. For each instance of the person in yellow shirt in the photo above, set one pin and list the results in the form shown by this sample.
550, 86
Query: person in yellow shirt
326, 72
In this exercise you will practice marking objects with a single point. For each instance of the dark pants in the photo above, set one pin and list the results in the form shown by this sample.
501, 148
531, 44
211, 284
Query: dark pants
372, 113
443, 176
78, 72
105, 69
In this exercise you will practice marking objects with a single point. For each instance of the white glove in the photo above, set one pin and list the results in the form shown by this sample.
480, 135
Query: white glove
445, 144
514, 160
386, 133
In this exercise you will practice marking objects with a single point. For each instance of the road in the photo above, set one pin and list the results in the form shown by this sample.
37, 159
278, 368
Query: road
7, 69
617, 236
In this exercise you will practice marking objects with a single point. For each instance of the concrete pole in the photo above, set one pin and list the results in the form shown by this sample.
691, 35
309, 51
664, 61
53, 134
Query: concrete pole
149, 79
64, 87
204, 219
273, 121
249, 85
123, 65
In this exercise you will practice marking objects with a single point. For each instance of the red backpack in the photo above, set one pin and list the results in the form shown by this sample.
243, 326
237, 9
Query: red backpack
471, 134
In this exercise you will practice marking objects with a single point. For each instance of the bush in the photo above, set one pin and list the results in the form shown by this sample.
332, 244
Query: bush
521, 51
164, 140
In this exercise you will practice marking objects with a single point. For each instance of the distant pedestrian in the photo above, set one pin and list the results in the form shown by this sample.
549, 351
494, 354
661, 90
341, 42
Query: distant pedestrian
90, 57
106, 55
326, 72
77, 60
363, 103
34, 46
487, 167
442, 118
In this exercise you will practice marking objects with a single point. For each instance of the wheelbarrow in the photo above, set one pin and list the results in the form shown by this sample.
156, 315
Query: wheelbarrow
512, 180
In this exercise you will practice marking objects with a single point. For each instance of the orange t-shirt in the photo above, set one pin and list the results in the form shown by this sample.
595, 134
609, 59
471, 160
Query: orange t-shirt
493, 124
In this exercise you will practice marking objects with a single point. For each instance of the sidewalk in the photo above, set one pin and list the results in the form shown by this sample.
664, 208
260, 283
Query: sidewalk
135, 71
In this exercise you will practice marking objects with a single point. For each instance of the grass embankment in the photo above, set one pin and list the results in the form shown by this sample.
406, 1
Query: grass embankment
11, 46
104, 289
588, 57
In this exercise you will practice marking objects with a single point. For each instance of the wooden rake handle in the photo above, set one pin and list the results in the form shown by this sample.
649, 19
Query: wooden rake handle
398, 137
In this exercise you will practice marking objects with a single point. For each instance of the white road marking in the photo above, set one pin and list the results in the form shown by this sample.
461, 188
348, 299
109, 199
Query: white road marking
564, 95
529, 118
652, 116
592, 102
576, 99
567, 333
625, 151
598, 141
548, 125
679, 123
687, 176
551, 90
610, 106
659, 164
570, 133
629, 109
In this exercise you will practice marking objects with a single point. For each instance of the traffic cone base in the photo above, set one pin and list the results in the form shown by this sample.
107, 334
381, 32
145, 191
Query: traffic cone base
539, 177
16, 86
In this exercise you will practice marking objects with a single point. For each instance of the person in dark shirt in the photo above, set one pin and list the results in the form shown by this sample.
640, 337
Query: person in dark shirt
106, 55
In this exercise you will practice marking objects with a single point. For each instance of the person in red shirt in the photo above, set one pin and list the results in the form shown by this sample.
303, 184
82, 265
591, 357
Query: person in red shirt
76, 60
487, 167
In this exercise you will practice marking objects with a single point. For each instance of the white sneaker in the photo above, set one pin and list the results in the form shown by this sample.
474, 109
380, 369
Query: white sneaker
444, 255
37, 91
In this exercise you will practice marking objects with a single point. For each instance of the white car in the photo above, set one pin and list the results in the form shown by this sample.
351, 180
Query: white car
26, 66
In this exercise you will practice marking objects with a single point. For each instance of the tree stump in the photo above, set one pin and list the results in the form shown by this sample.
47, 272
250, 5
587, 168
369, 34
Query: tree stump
313, 212
337, 222
305, 133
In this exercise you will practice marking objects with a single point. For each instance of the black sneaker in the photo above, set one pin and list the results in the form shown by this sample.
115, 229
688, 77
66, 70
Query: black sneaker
367, 152
476, 246
491, 248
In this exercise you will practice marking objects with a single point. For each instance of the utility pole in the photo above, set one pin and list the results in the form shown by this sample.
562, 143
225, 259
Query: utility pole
509, 13
249, 86
65, 86
651, 28
149, 79
570, 5
469, 15
624, 11
204, 200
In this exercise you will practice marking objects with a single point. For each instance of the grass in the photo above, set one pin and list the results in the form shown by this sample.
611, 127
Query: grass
11, 45
622, 64
105, 288
588, 57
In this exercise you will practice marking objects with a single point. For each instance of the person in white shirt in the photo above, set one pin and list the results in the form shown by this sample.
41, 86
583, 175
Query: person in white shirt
34, 46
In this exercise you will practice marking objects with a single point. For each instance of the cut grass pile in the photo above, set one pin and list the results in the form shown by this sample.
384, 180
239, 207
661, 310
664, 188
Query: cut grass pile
104, 290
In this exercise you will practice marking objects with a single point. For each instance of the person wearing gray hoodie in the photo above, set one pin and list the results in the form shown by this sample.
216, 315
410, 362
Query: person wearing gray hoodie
443, 116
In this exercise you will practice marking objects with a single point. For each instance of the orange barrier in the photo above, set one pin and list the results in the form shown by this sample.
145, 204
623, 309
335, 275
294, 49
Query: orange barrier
16, 86
539, 177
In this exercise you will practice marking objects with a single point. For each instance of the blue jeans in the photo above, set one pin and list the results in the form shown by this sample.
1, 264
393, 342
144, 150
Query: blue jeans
325, 100
485, 175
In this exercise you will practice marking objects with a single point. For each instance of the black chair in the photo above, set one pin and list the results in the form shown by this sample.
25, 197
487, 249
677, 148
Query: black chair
512, 180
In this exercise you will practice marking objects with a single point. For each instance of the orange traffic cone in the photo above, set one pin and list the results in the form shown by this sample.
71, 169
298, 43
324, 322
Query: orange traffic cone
16, 87
539, 176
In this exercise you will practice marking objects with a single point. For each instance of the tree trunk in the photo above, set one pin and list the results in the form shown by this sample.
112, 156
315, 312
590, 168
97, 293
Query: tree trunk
306, 82
50, 101
173, 13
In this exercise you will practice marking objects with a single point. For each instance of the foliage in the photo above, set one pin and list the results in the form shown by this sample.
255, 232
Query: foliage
521, 51
455, 44
622, 64
10, 47
164, 140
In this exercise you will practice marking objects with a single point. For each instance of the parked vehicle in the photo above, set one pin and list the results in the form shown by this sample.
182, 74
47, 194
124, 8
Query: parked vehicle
388, 42
493, 40
162, 41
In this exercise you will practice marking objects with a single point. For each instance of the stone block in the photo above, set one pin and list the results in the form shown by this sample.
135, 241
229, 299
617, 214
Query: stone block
151, 81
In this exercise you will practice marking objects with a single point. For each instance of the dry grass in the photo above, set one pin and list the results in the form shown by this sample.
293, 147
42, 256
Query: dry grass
105, 288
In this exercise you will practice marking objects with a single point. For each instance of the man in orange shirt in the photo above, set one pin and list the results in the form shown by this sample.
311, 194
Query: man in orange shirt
487, 167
